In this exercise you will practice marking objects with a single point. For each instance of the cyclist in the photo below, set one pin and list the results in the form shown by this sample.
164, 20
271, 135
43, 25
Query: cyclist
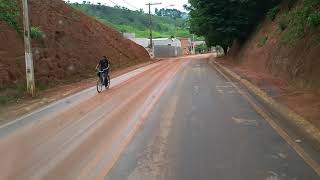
103, 67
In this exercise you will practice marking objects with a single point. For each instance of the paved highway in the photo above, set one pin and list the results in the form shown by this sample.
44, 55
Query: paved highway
176, 119
203, 129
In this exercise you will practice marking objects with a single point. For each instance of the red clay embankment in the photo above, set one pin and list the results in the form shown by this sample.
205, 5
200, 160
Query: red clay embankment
69, 49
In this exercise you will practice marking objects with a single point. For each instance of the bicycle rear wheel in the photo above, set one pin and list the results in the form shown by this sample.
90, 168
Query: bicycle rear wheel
99, 86
107, 85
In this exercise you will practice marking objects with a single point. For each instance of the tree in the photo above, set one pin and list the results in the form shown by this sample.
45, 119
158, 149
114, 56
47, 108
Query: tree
173, 13
223, 22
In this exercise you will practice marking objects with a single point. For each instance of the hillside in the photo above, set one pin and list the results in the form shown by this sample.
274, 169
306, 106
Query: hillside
287, 44
125, 20
283, 57
66, 45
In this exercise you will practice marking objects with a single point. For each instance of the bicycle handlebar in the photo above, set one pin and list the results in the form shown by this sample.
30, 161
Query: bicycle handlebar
104, 69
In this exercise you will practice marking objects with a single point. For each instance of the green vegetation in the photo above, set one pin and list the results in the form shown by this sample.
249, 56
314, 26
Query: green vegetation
12, 93
9, 13
223, 22
272, 13
298, 20
125, 20
15, 92
263, 41
36, 33
202, 49
173, 13
314, 19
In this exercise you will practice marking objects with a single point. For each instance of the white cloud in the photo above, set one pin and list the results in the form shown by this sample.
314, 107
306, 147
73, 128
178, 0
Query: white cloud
133, 4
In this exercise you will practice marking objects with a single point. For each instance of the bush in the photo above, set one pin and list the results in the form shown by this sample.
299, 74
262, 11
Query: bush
263, 41
314, 19
272, 13
36, 33
9, 13
296, 22
298, 19
291, 3
283, 22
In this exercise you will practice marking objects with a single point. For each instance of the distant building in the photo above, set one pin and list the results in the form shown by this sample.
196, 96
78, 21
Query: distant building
129, 35
163, 47
144, 42
197, 43
167, 47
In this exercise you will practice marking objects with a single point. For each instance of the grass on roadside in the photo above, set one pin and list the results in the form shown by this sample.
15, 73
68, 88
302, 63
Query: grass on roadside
14, 93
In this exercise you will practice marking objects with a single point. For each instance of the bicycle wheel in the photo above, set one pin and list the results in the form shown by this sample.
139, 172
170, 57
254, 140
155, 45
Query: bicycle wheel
99, 86
107, 85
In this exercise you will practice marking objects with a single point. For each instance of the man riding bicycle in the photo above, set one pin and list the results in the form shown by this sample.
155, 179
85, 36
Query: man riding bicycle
103, 67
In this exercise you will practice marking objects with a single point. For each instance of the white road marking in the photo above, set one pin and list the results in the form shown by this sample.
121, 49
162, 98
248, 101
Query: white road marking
245, 121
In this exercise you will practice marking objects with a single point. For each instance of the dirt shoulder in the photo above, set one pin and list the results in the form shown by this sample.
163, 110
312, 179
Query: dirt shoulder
305, 102
27, 104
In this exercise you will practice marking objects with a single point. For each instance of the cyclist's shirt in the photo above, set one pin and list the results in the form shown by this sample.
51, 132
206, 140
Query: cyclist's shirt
104, 64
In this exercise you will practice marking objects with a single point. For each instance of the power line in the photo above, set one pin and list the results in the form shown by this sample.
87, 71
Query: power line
114, 3
130, 4
124, 2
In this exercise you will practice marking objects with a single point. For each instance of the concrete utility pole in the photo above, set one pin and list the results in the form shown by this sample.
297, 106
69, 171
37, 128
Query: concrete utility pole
28, 52
193, 49
150, 24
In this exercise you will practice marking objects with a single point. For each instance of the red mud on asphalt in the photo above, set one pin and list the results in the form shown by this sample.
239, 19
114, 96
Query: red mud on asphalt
27, 104
76, 143
305, 102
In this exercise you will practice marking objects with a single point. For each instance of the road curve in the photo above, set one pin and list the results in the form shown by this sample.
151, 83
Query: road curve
81, 137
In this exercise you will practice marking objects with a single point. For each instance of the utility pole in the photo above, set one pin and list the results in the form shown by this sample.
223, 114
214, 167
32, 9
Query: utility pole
150, 24
28, 52
193, 49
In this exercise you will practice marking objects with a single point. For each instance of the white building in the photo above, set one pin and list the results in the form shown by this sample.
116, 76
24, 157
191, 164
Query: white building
129, 35
162, 47
167, 42
144, 42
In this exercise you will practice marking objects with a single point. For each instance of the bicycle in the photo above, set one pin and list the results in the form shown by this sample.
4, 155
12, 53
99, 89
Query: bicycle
103, 81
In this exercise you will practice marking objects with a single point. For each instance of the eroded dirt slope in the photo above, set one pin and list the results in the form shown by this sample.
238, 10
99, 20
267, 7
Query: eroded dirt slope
288, 73
298, 63
69, 50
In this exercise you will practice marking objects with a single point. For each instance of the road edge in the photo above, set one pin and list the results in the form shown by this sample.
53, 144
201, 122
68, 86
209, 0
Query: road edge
305, 128
35, 105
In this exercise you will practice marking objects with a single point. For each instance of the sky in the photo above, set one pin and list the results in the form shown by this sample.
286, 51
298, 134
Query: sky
134, 4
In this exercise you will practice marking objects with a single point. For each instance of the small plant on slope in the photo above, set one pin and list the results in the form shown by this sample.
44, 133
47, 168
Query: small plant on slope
9, 13
36, 33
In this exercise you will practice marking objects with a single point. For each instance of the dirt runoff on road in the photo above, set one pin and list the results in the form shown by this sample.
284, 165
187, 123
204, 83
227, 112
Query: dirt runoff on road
28, 104
303, 101
84, 140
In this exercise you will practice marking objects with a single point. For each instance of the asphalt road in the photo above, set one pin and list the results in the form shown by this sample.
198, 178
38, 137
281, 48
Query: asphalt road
176, 119
80, 137
202, 129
